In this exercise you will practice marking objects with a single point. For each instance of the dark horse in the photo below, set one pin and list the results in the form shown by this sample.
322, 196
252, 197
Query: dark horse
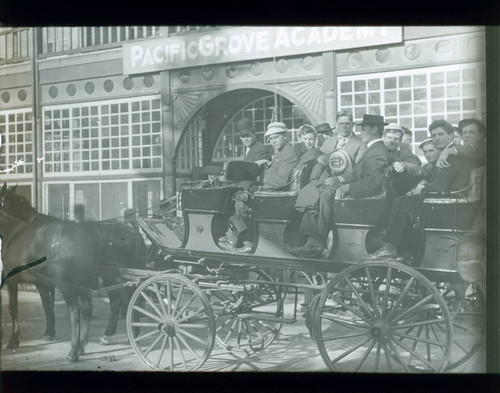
71, 251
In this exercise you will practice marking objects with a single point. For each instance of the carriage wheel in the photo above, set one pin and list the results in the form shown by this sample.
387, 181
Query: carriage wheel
246, 319
382, 317
467, 308
170, 323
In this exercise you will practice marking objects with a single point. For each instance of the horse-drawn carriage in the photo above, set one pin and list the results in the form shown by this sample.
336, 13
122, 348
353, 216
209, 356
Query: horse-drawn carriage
369, 316
364, 316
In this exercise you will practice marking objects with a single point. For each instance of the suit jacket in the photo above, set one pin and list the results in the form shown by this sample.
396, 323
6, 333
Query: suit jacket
258, 151
354, 146
279, 173
457, 175
367, 176
403, 182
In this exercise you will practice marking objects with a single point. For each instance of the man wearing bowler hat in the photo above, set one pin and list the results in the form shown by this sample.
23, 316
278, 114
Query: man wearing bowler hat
366, 179
255, 150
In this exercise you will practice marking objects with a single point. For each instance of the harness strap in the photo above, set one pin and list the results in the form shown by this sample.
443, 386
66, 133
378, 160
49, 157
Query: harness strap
19, 269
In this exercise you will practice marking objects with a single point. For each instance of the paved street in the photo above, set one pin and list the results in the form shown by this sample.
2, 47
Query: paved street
293, 350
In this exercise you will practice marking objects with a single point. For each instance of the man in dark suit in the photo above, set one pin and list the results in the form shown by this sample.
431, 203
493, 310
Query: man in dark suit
407, 209
255, 150
366, 179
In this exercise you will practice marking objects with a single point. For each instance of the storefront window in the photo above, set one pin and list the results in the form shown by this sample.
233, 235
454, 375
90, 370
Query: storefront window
16, 128
260, 112
102, 200
116, 135
414, 98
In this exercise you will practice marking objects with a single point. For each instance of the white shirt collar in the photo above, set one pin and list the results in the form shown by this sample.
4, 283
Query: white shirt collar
372, 142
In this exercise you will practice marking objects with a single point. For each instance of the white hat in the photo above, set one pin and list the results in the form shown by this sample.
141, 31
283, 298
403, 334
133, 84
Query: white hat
275, 128
393, 126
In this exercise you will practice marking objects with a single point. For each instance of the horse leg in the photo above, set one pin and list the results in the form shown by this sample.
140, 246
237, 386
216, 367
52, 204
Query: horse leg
85, 303
16, 330
71, 300
47, 295
1, 329
115, 301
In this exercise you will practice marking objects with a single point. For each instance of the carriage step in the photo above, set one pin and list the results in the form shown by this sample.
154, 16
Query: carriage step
268, 318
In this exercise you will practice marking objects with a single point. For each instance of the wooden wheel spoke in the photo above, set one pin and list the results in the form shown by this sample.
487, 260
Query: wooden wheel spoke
387, 356
189, 316
151, 347
184, 308
147, 335
401, 297
399, 357
171, 353
331, 338
178, 300
351, 309
231, 329
147, 313
169, 297
144, 324
386, 292
422, 323
412, 309
179, 349
181, 339
377, 357
265, 325
416, 354
424, 340
223, 324
249, 336
191, 336
350, 350
363, 304
257, 332
344, 322
238, 339
372, 292
153, 306
160, 298
365, 356
162, 350
194, 326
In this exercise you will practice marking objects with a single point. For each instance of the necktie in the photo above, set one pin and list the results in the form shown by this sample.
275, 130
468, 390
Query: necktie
341, 142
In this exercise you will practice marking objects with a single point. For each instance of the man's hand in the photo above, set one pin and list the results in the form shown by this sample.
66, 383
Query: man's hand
398, 167
442, 161
418, 189
263, 162
332, 180
343, 190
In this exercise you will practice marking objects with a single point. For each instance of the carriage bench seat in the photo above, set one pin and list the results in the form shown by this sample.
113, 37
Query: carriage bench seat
209, 200
366, 211
278, 205
456, 210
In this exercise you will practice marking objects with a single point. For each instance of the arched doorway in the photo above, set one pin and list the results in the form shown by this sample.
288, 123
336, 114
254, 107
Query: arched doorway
210, 138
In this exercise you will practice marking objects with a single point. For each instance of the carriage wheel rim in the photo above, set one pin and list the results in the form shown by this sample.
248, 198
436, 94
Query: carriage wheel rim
382, 338
164, 328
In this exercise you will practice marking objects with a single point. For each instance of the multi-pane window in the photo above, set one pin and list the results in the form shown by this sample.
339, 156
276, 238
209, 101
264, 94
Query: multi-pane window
16, 128
102, 200
60, 39
414, 98
190, 152
261, 112
103, 136
15, 44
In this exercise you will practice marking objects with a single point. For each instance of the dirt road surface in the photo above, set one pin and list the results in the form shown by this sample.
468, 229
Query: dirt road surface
293, 350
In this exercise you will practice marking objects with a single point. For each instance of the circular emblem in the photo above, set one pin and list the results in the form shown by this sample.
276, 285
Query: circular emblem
199, 228
339, 161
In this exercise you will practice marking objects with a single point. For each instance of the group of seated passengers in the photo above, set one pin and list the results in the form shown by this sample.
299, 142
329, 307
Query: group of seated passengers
378, 146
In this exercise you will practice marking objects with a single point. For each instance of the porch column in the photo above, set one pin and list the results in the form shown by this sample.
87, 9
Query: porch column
330, 87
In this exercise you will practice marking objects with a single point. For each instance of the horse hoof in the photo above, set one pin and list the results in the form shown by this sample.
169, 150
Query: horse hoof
72, 356
104, 340
48, 338
12, 344
81, 351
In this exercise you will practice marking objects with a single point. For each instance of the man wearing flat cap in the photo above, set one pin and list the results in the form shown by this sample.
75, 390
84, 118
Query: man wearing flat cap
366, 179
278, 173
255, 150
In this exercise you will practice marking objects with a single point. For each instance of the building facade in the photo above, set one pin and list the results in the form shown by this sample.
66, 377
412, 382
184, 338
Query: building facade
115, 117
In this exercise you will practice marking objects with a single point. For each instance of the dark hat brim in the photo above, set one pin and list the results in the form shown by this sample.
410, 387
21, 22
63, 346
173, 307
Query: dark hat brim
372, 123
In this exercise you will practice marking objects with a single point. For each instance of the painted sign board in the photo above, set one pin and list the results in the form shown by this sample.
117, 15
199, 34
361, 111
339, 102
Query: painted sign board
248, 43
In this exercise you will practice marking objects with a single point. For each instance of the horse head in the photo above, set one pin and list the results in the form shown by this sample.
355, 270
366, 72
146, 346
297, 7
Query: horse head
16, 205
